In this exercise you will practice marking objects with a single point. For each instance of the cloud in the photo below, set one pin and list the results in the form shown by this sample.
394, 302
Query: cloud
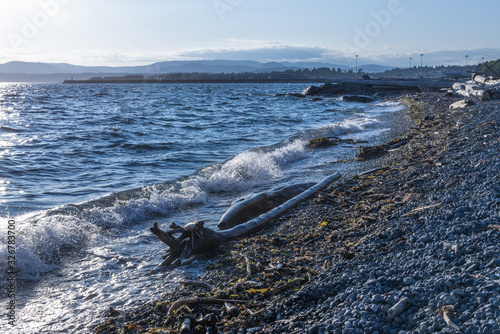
264, 54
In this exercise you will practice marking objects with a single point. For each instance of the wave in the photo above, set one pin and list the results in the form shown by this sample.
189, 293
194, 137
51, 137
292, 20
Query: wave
385, 107
45, 238
50, 235
350, 125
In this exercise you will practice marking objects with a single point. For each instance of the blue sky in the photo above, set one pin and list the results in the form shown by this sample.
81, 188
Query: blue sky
133, 32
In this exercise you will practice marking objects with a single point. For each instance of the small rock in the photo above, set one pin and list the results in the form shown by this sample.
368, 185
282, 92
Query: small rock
408, 281
425, 238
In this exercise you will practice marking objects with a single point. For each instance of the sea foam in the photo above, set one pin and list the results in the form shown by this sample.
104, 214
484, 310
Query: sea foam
45, 238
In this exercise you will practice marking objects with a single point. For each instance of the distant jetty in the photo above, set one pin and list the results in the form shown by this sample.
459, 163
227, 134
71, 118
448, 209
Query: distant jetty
378, 84
236, 78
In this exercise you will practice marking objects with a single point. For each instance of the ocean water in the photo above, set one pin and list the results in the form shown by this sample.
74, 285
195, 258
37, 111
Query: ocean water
85, 170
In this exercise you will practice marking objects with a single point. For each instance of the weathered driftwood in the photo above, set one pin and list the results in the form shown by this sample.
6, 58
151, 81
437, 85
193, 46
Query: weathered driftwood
320, 141
461, 104
258, 223
248, 208
195, 238
231, 310
485, 80
451, 247
367, 152
209, 300
398, 308
422, 208
448, 312
480, 87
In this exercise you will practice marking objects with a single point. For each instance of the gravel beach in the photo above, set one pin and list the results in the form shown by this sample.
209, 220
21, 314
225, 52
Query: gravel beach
411, 247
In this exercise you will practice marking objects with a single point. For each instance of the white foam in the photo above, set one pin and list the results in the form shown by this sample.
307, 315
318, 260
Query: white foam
247, 169
385, 107
50, 235
41, 243
345, 127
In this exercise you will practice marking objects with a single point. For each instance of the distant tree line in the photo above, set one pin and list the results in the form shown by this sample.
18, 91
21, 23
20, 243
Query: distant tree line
440, 71
493, 64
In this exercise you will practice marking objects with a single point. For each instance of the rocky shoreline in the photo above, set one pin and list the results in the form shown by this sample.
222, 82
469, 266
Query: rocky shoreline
411, 247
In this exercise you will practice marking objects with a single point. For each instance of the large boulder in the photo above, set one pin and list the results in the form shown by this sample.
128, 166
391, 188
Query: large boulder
330, 89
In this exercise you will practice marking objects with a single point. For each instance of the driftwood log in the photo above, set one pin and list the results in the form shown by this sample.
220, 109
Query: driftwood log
250, 207
447, 312
398, 308
367, 152
195, 238
480, 87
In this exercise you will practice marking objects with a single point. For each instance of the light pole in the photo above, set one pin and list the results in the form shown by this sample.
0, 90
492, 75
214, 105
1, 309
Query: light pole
410, 61
421, 59
356, 65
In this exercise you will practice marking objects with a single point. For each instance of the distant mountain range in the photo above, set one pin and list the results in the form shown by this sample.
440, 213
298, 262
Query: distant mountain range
55, 72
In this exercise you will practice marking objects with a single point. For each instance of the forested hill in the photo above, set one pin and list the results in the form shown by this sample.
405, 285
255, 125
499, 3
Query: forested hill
493, 64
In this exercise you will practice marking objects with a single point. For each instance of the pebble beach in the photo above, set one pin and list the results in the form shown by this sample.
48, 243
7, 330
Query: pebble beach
410, 244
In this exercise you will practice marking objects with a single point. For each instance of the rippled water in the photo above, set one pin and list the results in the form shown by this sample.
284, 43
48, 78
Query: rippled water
86, 169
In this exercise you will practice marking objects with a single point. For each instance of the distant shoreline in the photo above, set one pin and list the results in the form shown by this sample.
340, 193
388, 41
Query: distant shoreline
380, 84
153, 81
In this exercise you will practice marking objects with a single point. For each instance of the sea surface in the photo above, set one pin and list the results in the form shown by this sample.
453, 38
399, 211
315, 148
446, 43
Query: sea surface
85, 170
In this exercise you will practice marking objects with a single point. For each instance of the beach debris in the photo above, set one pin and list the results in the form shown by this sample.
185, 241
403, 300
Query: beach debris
250, 267
233, 311
368, 152
461, 104
363, 216
209, 300
451, 247
320, 141
195, 238
479, 86
447, 312
398, 308
339, 89
422, 208
246, 208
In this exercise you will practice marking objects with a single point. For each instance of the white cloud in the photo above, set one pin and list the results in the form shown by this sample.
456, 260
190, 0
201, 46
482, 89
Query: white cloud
265, 53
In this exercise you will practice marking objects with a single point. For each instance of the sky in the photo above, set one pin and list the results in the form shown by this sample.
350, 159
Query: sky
141, 32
